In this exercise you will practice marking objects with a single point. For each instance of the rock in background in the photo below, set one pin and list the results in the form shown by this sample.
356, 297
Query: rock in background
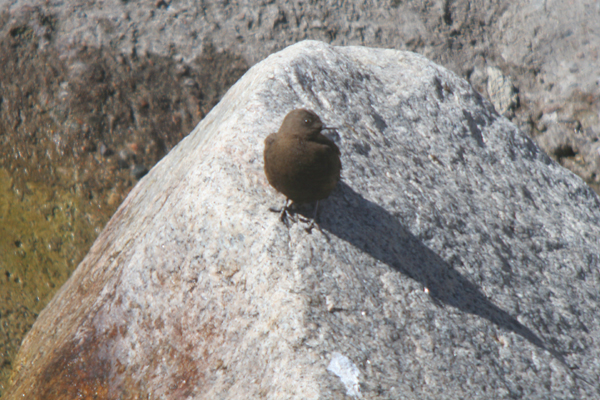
454, 260
542, 54
92, 94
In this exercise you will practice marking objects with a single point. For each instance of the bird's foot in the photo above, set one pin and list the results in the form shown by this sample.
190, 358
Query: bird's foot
312, 221
284, 213
302, 218
310, 227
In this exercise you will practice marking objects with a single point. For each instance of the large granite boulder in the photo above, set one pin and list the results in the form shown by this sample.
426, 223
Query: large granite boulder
454, 260
94, 93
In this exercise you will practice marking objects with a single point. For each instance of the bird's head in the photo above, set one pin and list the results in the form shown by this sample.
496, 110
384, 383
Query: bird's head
301, 123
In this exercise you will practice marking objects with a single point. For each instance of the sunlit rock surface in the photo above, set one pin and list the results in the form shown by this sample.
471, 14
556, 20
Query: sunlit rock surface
454, 259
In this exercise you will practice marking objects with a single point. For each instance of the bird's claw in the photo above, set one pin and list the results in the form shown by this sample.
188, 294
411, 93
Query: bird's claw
285, 215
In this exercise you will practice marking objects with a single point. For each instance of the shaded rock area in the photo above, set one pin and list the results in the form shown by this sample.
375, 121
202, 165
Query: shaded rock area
92, 94
454, 260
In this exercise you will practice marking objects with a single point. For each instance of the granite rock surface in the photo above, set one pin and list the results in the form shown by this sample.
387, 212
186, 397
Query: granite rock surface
454, 260
94, 93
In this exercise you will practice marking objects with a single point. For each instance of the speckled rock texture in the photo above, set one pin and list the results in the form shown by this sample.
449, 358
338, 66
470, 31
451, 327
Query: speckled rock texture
106, 88
544, 54
454, 260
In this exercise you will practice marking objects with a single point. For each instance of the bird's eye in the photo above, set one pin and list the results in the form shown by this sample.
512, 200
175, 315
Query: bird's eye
306, 121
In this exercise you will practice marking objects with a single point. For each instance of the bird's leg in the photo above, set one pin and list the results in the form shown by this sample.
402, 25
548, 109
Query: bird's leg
284, 214
284, 211
314, 218
280, 210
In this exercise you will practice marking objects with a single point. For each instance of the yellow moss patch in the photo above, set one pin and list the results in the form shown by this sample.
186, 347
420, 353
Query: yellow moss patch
44, 233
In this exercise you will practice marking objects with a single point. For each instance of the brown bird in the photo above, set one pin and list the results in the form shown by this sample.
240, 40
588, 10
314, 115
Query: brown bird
300, 161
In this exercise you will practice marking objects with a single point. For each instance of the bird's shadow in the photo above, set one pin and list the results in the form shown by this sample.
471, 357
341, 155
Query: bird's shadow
370, 228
